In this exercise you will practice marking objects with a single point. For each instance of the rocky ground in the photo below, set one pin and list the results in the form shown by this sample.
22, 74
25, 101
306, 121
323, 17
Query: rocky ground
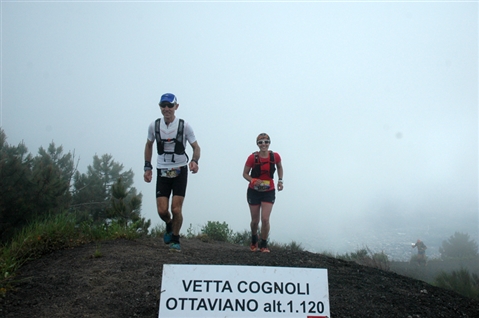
122, 278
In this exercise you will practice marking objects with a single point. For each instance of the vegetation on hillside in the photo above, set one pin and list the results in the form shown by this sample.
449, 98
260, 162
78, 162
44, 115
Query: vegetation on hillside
459, 246
48, 184
461, 281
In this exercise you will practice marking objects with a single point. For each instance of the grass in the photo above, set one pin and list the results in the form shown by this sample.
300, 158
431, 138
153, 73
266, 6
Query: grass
460, 281
97, 253
367, 257
53, 233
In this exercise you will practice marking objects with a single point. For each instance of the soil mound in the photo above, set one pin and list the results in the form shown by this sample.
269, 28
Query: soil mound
125, 280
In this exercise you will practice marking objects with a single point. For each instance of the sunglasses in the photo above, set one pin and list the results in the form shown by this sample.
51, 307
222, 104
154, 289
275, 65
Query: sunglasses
169, 105
260, 142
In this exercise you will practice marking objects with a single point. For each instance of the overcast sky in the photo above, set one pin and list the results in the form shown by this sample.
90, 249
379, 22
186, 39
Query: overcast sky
373, 106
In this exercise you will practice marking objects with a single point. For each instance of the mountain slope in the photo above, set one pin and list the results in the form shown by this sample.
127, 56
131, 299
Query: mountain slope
125, 282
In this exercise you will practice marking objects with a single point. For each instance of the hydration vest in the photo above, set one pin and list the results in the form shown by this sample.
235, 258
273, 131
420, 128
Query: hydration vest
256, 170
179, 146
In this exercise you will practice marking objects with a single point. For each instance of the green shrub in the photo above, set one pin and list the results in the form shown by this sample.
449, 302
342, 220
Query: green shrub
415, 259
366, 257
241, 238
158, 230
217, 231
329, 254
460, 281
357, 256
190, 232
118, 229
293, 246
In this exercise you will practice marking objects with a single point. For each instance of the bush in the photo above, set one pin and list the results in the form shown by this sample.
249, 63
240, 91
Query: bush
367, 258
293, 246
217, 231
460, 281
416, 259
158, 230
241, 238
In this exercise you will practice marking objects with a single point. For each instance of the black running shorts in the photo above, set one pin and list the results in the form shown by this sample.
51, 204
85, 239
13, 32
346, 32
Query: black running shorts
256, 197
164, 186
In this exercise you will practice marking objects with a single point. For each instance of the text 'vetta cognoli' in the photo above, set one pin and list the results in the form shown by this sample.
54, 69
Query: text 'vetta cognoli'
254, 287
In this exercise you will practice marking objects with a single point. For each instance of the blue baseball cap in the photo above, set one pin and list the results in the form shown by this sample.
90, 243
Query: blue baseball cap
168, 98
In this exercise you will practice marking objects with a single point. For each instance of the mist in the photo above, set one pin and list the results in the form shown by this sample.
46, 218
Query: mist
372, 107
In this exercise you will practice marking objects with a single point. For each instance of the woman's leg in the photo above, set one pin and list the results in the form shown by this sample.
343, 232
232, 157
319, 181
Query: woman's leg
266, 208
255, 217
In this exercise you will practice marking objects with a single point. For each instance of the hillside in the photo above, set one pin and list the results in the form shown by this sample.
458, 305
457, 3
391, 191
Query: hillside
125, 282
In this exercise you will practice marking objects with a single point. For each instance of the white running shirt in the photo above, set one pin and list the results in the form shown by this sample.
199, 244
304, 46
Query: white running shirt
169, 132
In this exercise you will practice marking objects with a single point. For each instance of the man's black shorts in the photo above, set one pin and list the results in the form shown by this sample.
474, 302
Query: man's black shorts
256, 197
164, 186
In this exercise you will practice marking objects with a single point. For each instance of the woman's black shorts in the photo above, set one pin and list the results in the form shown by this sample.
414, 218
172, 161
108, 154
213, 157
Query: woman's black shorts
256, 197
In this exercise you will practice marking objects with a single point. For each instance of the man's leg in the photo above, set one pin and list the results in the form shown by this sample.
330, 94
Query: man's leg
177, 221
179, 191
162, 207
176, 209
163, 190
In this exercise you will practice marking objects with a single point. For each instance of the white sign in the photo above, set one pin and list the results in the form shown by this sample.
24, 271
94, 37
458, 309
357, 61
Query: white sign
243, 291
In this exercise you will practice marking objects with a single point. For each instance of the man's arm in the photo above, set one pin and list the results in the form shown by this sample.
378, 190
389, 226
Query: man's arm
148, 175
148, 150
196, 157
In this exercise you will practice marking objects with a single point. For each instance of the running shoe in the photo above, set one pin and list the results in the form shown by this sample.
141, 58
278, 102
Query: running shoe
253, 247
265, 250
167, 238
175, 247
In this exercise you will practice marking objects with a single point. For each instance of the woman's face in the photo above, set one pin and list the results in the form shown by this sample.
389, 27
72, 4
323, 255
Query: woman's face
263, 144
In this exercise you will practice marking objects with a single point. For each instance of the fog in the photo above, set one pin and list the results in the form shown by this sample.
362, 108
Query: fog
373, 107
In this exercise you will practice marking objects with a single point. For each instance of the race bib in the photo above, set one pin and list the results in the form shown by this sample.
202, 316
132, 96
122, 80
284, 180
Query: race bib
170, 173
263, 186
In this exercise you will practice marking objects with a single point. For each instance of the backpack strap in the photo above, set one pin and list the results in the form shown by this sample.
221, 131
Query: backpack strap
179, 141
159, 142
256, 170
179, 146
272, 164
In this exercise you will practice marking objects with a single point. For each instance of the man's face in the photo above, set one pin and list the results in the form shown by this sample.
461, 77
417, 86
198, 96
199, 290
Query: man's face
168, 109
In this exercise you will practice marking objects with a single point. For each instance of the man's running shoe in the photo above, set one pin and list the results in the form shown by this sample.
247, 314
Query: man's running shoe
253, 247
265, 250
175, 247
167, 238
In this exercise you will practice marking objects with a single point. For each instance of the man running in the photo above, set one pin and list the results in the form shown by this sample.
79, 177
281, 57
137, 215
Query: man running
171, 135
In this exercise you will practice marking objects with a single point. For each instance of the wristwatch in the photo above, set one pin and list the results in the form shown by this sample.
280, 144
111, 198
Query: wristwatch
148, 166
